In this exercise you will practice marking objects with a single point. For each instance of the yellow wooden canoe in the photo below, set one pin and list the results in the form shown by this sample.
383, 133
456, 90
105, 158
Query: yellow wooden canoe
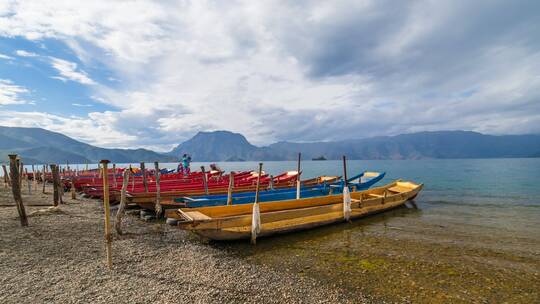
234, 222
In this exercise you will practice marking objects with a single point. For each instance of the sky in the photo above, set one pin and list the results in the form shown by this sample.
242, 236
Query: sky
154, 73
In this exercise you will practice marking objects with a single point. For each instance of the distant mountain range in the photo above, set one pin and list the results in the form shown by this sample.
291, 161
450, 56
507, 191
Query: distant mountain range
37, 145
223, 146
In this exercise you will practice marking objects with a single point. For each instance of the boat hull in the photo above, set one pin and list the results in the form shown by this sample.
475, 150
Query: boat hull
317, 214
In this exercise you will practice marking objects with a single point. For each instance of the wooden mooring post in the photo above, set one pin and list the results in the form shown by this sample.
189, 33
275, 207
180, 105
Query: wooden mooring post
44, 177
7, 181
256, 213
157, 207
231, 187
298, 176
145, 182
123, 202
16, 189
21, 166
56, 192
34, 180
107, 208
205, 181
114, 175
73, 191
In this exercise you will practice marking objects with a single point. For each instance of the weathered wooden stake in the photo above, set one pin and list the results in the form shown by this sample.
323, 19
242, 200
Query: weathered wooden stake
298, 177
34, 179
7, 181
205, 182
145, 182
132, 180
157, 207
345, 170
16, 190
122, 207
56, 194
44, 180
21, 165
230, 190
60, 185
114, 175
28, 184
258, 183
108, 237
255, 217
73, 192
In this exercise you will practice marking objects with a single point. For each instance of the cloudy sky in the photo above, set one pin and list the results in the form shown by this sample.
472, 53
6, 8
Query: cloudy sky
153, 73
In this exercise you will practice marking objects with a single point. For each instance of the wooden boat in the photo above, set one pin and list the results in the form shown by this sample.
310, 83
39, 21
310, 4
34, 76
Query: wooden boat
146, 200
234, 222
365, 181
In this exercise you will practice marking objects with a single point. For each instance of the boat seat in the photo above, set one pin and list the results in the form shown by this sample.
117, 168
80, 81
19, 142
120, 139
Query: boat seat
197, 216
399, 189
376, 195
190, 199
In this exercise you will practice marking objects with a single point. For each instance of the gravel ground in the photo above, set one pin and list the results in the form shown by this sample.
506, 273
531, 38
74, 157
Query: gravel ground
59, 258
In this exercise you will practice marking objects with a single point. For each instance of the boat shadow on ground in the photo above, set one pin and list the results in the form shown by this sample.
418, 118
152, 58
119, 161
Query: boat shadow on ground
320, 234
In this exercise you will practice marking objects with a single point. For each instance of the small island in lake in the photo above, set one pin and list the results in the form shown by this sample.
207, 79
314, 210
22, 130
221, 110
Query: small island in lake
319, 158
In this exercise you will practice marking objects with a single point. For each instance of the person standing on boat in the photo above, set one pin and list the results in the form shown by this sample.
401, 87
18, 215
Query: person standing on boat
186, 160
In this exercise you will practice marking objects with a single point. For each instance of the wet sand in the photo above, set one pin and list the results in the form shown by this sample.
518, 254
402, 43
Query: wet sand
391, 257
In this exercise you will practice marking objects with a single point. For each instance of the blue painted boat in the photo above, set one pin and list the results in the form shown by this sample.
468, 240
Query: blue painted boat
361, 181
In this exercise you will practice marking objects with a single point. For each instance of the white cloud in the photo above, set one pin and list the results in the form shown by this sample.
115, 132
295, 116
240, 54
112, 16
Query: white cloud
89, 130
11, 94
81, 105
6, 57
68, 71
24, 53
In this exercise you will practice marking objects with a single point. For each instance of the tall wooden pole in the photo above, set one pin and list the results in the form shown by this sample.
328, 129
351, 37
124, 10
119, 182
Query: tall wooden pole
59, 185
73, 192
258, 183
345, 170
56, 194
34, 179
114, 175
21, 170
16, 190
298, 176
158, 207
28, 183
108, 238
230, 190
256, 214
145, 182
205, 182
44, 177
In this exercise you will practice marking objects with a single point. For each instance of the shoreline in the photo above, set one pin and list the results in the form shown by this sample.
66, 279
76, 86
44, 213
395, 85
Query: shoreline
384, 258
